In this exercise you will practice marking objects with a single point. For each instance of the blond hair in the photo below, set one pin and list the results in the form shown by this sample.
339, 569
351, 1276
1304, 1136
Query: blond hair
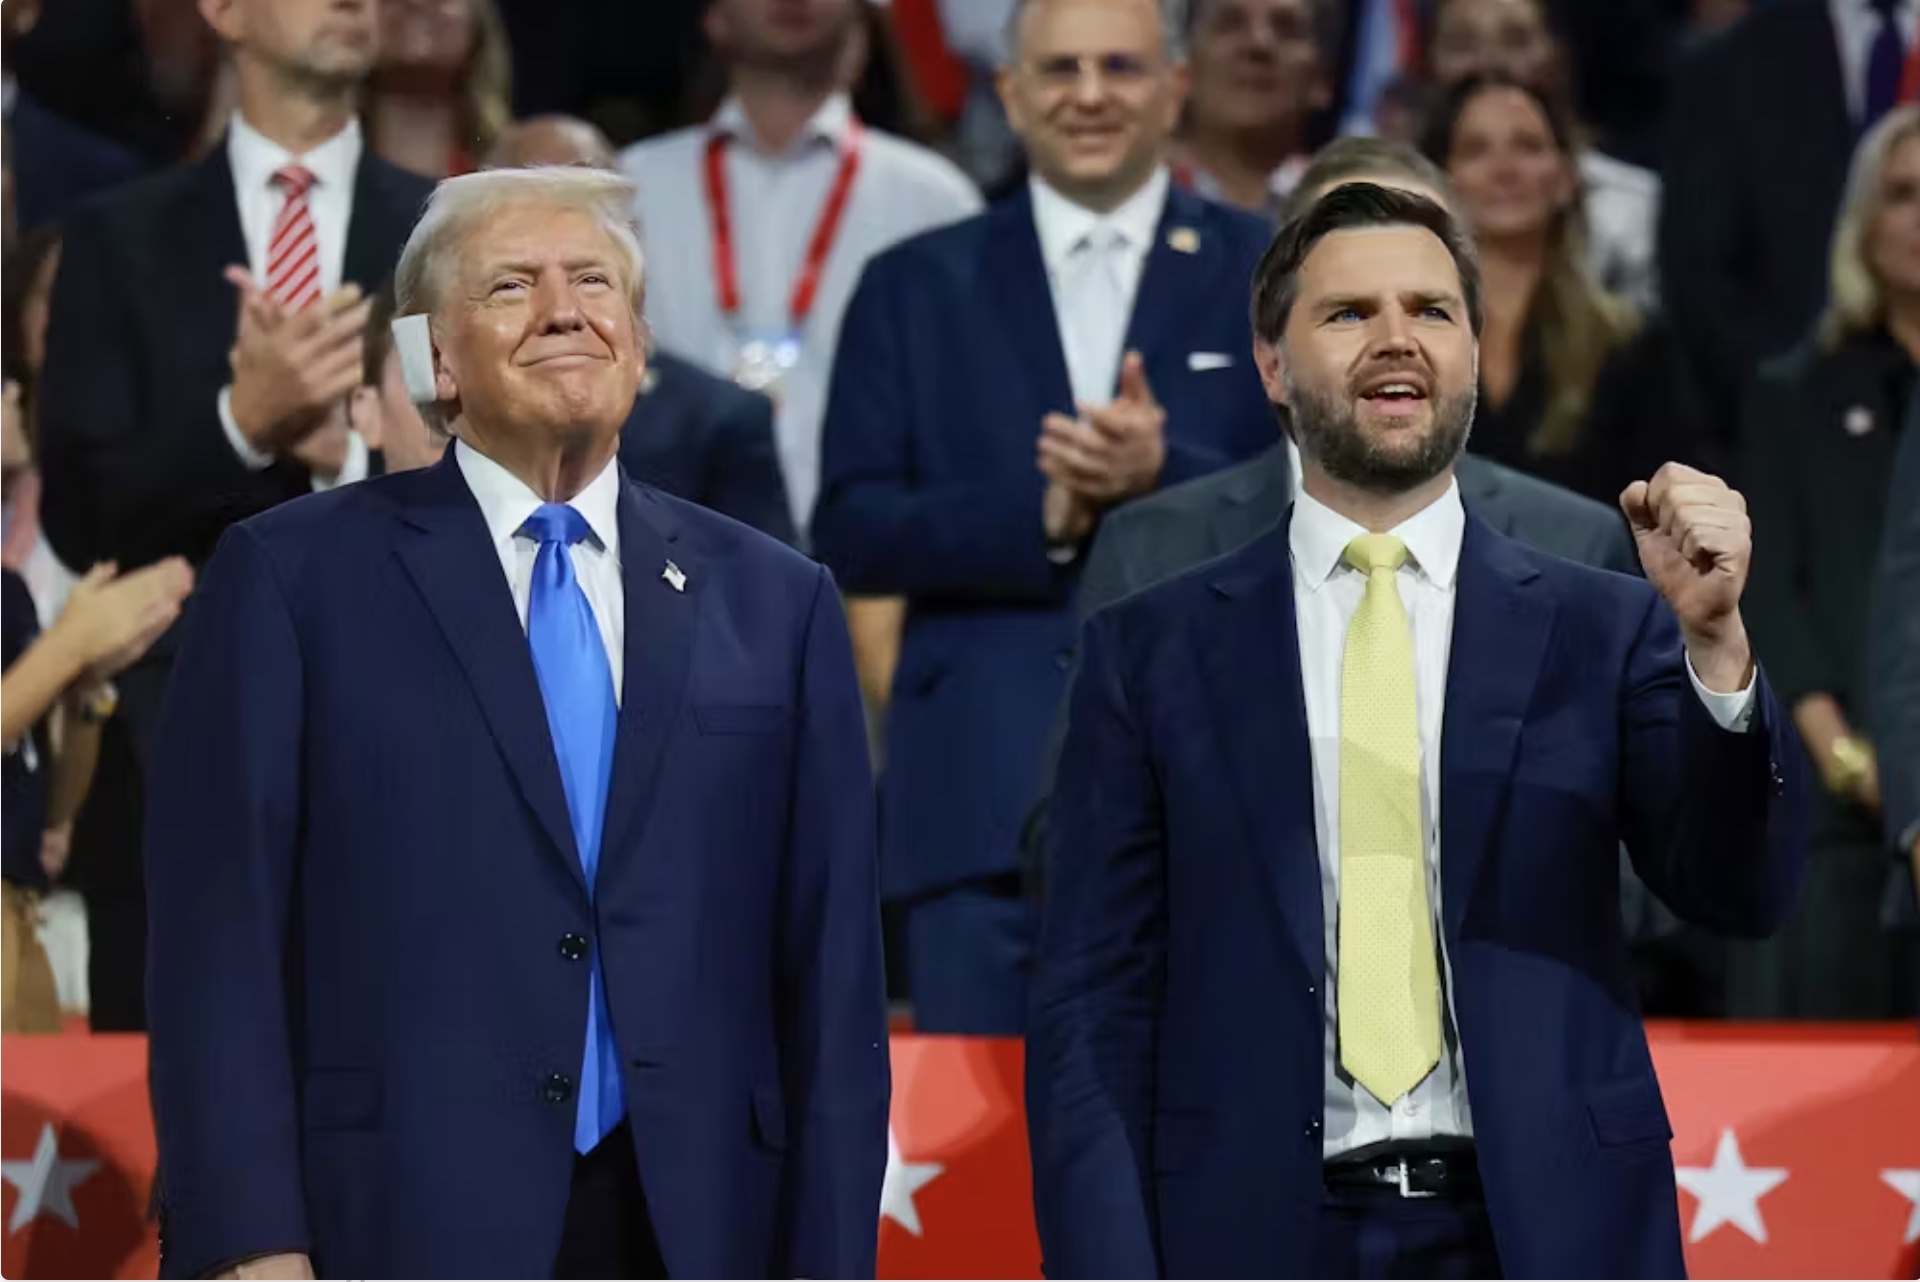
1856, 301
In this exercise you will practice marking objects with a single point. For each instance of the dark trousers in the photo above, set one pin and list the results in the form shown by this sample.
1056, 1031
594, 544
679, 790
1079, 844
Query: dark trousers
969, 948
608, 1232
1376, 1233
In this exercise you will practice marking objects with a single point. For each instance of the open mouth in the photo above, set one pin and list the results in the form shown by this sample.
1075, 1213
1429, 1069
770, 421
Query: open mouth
1397, 396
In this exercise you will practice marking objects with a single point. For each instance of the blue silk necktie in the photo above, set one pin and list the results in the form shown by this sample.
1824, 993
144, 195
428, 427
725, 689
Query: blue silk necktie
577, 686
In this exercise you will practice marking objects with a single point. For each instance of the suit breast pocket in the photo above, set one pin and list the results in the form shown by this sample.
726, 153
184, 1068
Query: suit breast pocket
740, 718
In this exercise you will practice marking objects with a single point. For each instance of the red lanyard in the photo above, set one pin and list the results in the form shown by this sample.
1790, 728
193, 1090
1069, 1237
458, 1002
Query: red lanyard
726, 269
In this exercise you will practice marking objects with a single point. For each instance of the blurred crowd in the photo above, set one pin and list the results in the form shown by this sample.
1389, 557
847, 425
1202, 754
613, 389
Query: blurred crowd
935, 287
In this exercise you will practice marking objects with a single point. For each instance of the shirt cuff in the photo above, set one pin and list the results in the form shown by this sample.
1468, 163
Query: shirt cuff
1732, 712
242, 447
354, 469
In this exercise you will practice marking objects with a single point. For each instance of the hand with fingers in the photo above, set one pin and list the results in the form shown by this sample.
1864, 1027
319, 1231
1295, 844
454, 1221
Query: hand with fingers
1695, 544
290, 369
1108, 454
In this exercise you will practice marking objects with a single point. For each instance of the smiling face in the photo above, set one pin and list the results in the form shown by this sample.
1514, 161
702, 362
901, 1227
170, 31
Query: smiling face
1507, 168
1255, 64
1377, 360
537, 333
1093, 95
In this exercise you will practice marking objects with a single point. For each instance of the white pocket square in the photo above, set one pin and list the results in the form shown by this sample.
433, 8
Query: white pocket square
1198, 361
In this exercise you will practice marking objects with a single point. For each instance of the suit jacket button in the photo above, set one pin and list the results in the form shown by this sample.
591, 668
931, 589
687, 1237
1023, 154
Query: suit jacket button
557, 1089
573, 947
1063, 660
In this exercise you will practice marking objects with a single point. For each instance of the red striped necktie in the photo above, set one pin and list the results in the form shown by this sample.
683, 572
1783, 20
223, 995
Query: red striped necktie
293, 254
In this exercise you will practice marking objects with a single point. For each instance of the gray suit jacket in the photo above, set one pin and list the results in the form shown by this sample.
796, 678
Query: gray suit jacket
1893, 659
1161, 535
1156, 537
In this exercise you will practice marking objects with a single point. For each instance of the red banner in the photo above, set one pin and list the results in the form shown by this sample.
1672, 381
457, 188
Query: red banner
1798, 1153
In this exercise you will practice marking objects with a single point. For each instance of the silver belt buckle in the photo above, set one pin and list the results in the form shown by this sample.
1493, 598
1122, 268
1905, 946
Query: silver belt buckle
1405, 1189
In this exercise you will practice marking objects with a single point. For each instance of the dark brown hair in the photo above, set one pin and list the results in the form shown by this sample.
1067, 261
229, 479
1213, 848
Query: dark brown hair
1574, 323
1276, 281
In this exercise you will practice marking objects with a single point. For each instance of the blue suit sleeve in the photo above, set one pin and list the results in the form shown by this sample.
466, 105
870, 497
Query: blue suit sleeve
1716, 820
833, 1012
223, 822
888, 530
1099, 977
744, 479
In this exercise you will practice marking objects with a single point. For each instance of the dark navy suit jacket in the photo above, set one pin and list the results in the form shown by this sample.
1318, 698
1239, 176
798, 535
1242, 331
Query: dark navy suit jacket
709, 441
367, 1010
1176, 1052
948, 360
57, 163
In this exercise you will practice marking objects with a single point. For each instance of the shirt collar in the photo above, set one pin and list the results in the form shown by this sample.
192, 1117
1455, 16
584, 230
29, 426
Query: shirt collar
1062, 224
1318, 537
254, 158
832, 123
506, 501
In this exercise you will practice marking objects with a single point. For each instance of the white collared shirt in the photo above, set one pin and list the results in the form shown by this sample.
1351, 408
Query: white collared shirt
253, 160
506, 502
1856, 24
1326, 593
1062, 226
775, 202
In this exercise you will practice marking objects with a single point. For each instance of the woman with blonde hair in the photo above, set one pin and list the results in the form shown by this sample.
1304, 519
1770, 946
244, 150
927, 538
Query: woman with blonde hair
1818, 441
441, 94
1577, 386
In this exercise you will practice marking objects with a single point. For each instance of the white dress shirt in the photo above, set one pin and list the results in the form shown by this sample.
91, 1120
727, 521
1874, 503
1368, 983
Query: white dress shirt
775, 201
254, 159
1326, 593
507, 501
1063, 228
1856, 24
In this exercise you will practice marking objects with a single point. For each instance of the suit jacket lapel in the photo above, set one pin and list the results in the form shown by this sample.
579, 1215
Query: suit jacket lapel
204, 227
1176, 281
450, 556
1249, 645
382, 216
1501, 624
1016, 275
660, 626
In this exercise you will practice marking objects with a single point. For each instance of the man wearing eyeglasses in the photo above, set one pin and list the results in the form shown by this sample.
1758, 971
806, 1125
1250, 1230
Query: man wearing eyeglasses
999, 385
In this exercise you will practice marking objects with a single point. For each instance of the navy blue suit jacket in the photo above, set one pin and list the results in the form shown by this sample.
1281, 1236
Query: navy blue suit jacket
367, 1015
1176, 1069
702, 438
57, 163
949, 358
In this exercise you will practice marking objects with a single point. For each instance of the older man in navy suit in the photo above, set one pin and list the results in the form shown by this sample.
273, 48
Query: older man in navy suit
467, 959
1000, 384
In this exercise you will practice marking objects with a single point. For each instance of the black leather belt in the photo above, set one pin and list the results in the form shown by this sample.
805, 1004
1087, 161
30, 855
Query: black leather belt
1452, 1174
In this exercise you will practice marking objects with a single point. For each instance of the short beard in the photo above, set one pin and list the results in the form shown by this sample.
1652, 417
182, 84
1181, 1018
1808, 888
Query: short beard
1328, 433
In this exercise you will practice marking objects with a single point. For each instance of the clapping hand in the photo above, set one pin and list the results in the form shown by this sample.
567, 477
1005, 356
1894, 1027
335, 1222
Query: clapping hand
1111, 452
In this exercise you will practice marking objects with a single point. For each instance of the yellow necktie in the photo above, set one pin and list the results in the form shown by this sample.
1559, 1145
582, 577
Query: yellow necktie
1389, 990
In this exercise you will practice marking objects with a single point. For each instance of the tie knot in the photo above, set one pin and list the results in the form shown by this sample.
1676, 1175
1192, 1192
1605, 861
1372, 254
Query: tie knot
1887, 9
1373, 552
556, 523
295, 180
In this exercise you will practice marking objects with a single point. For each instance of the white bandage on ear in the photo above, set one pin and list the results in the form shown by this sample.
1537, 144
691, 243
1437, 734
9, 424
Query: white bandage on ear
414, 345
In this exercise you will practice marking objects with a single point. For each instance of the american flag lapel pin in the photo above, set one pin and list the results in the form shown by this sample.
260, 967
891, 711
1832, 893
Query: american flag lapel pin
676, 577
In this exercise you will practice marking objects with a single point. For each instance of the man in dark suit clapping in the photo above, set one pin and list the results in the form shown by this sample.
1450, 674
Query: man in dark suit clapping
203, 335
999, 385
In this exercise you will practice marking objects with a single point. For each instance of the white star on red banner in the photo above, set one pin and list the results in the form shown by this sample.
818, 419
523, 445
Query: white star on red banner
1729, 1191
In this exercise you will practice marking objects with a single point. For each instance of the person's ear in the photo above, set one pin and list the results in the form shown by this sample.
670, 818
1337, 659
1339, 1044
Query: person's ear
364, 416
1271, 360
